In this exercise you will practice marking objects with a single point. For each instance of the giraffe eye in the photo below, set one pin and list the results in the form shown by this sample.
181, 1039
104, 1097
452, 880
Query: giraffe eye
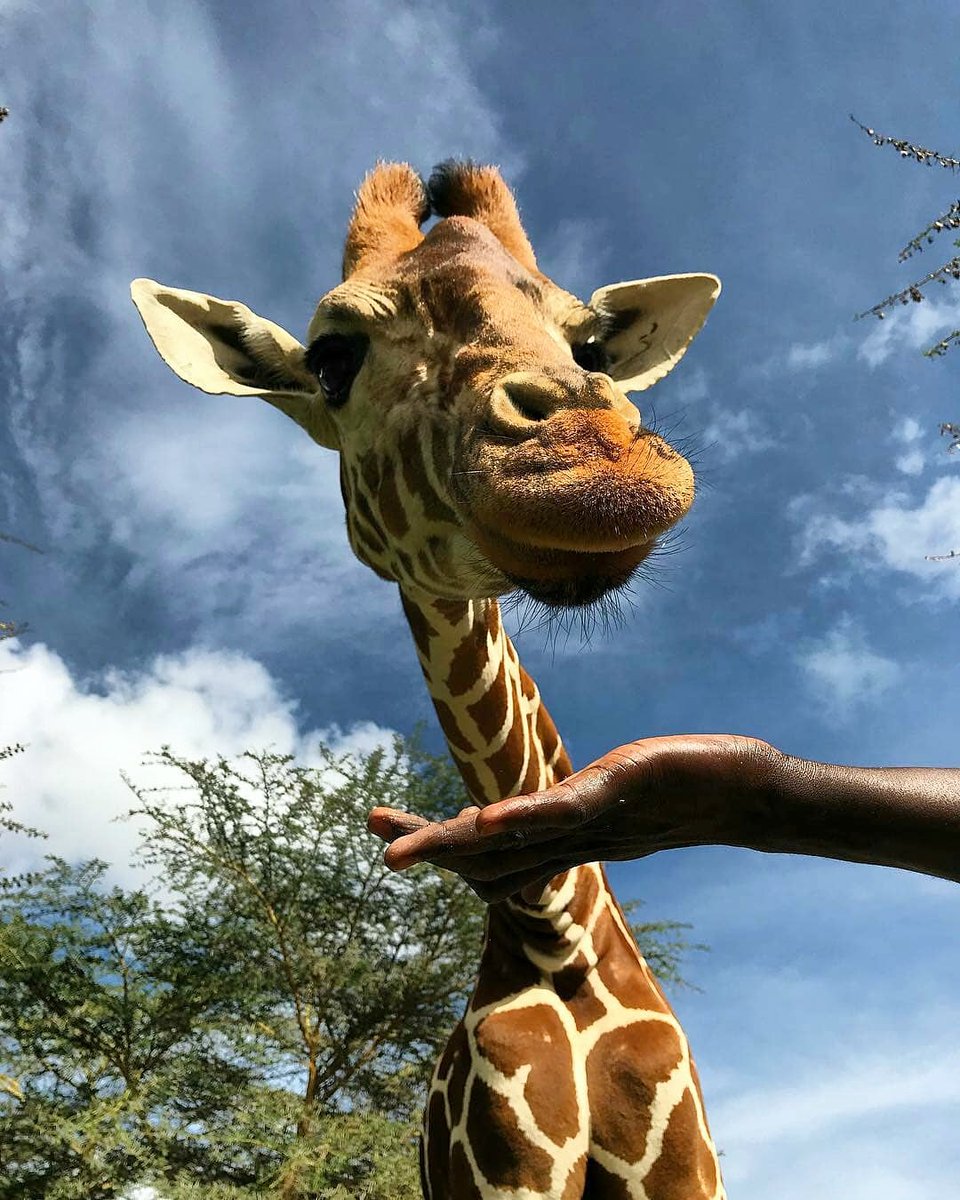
335, 359
591, 356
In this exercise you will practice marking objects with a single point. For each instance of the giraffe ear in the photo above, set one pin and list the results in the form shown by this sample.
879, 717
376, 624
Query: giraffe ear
651, 323
223, 348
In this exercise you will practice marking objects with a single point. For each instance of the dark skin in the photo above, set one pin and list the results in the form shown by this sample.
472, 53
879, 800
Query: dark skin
692, 790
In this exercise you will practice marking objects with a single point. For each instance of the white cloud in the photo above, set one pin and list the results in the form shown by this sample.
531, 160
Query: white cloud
691, 385
911, 463
914, 327
810, 356
732, 433
843, 671
845, 1122
908, 430
897, 534
81, 734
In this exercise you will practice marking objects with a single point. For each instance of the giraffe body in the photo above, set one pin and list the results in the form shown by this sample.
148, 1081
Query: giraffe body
485, 446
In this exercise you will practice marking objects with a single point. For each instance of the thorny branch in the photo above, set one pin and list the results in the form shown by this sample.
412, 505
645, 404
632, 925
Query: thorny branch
947, 220
908, 149
913, 291
950, 219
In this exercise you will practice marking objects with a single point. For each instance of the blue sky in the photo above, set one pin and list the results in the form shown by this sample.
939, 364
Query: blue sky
196, 586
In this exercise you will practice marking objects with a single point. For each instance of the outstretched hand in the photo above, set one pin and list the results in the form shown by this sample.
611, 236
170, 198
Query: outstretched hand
656, 794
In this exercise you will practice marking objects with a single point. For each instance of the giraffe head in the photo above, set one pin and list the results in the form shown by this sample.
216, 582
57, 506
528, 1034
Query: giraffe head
485, 440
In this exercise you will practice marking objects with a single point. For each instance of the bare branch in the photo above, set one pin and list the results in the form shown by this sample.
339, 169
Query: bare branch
909, 149
937, 351
948, 220
951, 430
9, 537
913, 291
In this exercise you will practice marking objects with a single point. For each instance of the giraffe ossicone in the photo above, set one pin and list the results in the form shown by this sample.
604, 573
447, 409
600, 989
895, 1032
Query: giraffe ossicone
486, 444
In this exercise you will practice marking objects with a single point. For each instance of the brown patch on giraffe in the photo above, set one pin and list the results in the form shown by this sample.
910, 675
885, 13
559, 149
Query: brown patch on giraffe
584, 1005
547, 734
441, 454
535, 1036
490, 711
437, 1153
458, 1068
685, 1165
573, 1189
468, 774
621, 969
467, 663
527, 686
434, 506
428, 565
461, 1184
405, 560
366, 534
451, 730
602, 1184
507, 762
504, 1154
623, 1070
586, 893
391, 506
452, 611
534, 779
423, 632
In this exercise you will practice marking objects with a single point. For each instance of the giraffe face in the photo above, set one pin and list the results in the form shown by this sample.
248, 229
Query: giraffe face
484, 443
477, 454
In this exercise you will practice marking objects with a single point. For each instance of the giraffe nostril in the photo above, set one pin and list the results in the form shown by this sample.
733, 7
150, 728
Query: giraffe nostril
532, 403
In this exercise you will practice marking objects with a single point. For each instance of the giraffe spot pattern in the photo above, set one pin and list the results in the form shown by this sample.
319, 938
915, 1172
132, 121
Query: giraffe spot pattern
601, 1184
535, 1037
490, 711
623, 1070
462, 1183
504, 1154
678, 1173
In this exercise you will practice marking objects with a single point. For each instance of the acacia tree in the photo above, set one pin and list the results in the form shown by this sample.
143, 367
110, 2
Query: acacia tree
917, 291
270, 1024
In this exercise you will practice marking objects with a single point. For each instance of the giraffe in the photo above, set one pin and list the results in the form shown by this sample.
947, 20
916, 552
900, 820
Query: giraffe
485, 445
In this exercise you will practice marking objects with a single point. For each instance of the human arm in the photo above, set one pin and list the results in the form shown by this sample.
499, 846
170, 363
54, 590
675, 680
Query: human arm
694, 790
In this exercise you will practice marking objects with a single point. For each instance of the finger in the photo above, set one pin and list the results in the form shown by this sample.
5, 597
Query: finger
458, 837
429, 841
392, 823
571, 803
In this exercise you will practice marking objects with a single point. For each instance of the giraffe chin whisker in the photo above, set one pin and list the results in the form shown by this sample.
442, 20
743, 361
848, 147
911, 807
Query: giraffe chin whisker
581, 592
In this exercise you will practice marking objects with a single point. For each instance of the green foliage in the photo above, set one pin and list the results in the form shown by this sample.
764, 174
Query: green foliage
269, 1027
664, 945
359, 973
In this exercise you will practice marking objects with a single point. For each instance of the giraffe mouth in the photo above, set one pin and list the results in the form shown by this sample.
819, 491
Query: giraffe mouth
561, 578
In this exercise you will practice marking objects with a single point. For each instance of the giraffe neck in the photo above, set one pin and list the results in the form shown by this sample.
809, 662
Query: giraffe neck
499, 732
504, 743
